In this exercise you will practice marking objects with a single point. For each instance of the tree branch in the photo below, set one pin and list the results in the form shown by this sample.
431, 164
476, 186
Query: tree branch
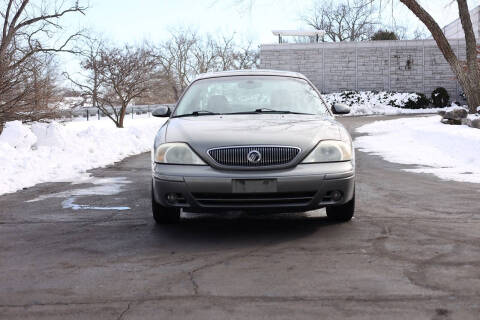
436, 32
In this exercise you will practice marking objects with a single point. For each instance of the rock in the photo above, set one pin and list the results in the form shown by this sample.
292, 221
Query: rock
456, 114
452, 122
475, 123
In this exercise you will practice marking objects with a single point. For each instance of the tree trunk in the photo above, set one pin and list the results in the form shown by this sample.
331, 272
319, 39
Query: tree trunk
472, 85
175, 92
469, 79
471, 88
122, 115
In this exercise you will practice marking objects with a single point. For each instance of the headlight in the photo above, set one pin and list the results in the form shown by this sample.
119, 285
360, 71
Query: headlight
176, 153
330, 151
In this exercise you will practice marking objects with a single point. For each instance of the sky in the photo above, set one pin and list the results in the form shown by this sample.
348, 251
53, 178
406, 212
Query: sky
134, 21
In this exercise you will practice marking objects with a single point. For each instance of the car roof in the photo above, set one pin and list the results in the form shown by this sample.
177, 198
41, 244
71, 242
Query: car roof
250, 72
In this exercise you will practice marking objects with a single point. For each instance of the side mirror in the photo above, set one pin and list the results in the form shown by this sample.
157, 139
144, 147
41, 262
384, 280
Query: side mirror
162, 111
340, 108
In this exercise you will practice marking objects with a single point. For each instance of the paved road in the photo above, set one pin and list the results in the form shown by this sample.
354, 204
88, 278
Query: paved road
91, 251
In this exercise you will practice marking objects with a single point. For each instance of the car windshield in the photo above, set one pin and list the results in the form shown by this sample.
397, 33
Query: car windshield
250, 94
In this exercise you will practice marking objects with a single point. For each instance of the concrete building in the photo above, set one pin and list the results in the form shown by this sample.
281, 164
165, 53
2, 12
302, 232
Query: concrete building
454, 30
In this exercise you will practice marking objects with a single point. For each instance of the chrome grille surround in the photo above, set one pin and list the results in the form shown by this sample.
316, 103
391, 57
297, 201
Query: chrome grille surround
237, 156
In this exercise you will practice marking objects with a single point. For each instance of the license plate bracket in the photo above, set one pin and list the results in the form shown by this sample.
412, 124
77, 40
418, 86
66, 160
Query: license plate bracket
254, 185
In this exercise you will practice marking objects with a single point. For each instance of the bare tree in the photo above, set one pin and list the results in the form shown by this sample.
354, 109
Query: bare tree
125, 75
205, 53
230, 56
187, 54
348, 20
175, 58
225, 53
44, 91
113, 77
89, 82
27, 32
420, 34
246, 57
468, 77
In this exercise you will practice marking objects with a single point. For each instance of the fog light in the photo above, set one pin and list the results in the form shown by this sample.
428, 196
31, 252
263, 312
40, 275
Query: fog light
171, 198
336, 195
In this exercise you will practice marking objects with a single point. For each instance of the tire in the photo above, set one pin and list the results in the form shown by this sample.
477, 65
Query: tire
164, 215
342, 213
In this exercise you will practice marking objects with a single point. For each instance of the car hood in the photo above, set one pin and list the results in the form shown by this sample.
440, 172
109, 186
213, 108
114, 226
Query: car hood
205, 132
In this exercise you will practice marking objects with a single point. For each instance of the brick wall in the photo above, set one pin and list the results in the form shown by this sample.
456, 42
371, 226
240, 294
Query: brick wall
404, 66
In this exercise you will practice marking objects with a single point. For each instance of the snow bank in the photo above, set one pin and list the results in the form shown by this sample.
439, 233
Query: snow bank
449, 152
376, 103
473, 116
17, 136
64, 151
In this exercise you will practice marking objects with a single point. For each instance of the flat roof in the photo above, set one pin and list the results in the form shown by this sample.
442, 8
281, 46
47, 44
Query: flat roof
298, 33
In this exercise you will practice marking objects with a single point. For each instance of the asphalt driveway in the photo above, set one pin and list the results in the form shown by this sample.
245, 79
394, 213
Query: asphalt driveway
90, 250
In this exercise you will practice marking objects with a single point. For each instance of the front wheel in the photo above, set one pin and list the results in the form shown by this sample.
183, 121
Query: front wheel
342, 213
164, 215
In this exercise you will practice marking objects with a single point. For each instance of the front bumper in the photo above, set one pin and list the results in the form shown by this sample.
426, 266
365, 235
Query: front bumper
205, 189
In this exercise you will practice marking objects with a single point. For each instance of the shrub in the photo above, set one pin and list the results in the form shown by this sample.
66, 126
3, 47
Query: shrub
440, 97
384, 35
419, 102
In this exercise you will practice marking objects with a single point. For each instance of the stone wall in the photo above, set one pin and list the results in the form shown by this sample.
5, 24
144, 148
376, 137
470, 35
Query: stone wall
403, 66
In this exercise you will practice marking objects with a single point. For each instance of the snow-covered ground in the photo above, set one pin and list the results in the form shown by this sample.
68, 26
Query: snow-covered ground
376, 103
31, 154
449, 152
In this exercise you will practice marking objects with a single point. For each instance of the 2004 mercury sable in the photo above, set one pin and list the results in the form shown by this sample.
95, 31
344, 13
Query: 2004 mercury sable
262, 141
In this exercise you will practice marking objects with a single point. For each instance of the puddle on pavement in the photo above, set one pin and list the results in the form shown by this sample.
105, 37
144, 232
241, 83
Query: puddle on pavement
101, 187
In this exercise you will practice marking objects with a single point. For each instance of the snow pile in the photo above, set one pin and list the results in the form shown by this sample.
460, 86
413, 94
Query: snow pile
63, 152
377, 103
473, 116
454, 106
17, 136
473, 120
449, 152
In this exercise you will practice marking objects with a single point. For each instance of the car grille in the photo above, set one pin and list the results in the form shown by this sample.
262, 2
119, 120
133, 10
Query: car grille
269, 155
245, 200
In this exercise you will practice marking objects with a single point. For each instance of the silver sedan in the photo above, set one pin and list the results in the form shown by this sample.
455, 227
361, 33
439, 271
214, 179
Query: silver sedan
260, 140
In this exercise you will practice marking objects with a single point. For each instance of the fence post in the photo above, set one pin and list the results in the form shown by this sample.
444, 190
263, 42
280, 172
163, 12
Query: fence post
132, 112
87, 114
98, 114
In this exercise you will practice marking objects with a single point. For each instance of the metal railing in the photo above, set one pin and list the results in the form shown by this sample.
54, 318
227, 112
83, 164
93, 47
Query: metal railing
90, 113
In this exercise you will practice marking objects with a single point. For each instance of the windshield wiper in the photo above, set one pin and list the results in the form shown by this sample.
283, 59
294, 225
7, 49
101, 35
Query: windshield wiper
267, 110
197, 113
